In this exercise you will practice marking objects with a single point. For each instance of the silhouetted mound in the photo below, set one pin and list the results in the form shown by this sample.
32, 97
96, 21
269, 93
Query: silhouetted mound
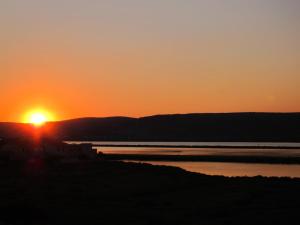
242, 127
106, 192
24, 149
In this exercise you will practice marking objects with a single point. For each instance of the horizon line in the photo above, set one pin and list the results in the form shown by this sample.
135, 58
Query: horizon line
155, 115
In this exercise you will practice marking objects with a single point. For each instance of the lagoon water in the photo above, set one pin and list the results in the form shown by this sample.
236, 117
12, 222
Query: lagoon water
234, 169
215, 168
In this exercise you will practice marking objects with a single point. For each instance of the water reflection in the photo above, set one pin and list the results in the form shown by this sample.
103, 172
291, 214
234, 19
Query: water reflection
270, 144
201, 151
214, 168
235, 169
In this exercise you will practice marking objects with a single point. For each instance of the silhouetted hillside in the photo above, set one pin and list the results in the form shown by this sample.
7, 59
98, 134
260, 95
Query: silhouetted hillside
283, 127
118, 193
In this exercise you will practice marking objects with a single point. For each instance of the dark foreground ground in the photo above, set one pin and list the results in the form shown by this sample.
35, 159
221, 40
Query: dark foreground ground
111, 193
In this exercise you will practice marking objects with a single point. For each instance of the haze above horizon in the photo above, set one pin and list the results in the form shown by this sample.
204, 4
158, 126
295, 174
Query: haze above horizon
77, 58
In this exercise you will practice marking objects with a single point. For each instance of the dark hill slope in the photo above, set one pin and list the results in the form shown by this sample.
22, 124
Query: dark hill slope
182, 127
119, 193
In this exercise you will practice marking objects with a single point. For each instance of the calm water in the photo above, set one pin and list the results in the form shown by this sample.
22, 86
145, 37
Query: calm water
215, 168
193, 143
234, 169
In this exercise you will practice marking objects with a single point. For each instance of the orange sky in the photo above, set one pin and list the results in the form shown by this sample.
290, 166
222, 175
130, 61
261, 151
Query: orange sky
79, 59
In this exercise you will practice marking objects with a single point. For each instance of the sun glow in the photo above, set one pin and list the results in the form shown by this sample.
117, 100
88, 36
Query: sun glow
38, 117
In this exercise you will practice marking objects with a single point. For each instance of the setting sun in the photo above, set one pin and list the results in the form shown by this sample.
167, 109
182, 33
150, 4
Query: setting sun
38, 117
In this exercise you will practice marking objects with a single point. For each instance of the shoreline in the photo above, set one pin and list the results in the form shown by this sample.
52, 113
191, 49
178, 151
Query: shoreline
202, 158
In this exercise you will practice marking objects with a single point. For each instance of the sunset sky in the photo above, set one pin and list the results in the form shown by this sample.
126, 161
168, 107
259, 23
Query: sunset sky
78, 58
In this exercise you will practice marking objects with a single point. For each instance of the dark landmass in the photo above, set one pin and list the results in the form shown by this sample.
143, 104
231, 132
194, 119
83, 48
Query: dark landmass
205, 158
105, 192
216, 127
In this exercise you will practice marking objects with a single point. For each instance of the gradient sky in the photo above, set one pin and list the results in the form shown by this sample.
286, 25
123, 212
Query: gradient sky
80, 58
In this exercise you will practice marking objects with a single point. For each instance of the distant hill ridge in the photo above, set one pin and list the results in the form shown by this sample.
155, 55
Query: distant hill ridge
273, 127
